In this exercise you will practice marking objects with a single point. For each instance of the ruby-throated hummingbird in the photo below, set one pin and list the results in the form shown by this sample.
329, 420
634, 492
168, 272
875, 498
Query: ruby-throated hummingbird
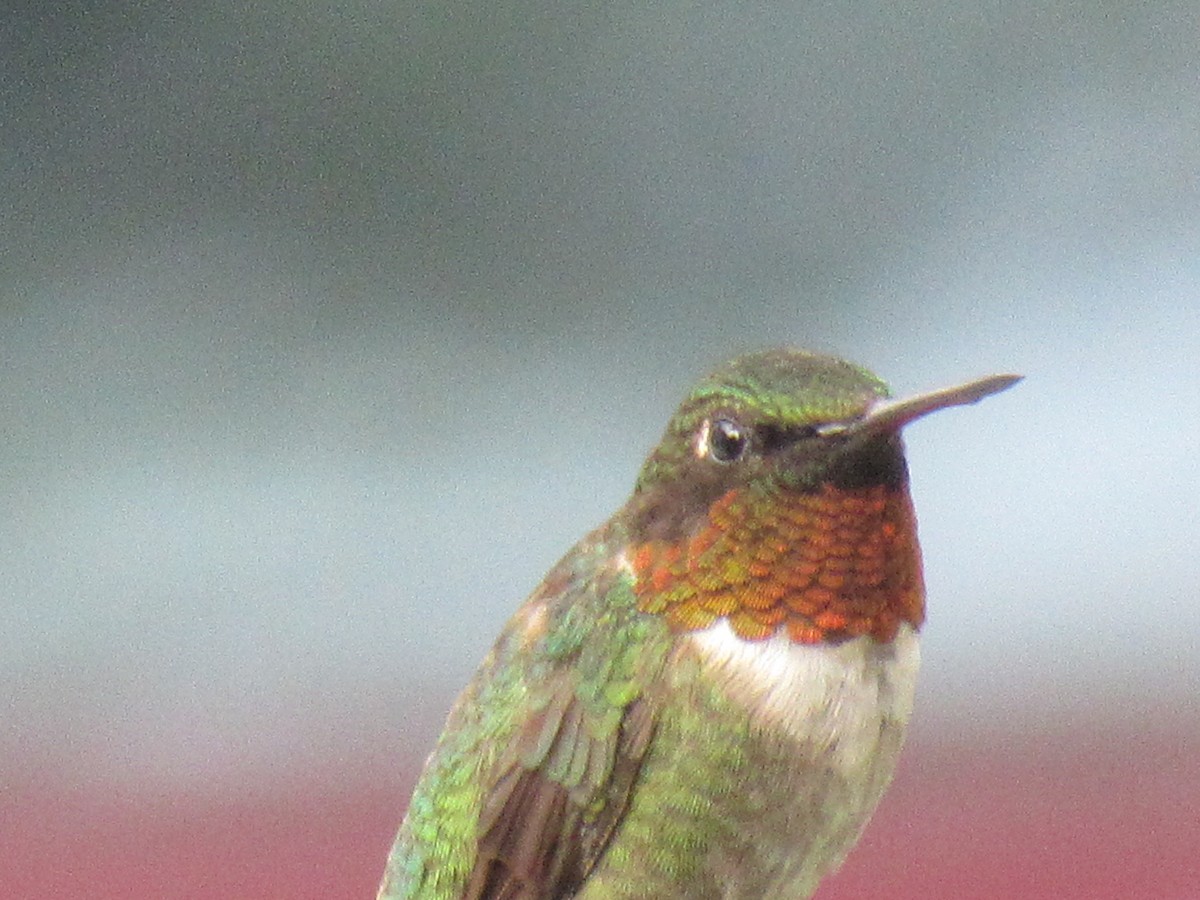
706, 697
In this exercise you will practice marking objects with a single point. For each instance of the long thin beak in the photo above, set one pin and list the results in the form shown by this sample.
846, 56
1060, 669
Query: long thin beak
892, 415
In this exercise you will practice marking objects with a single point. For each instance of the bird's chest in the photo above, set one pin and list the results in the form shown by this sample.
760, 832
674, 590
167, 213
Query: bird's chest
832, 700
768, 760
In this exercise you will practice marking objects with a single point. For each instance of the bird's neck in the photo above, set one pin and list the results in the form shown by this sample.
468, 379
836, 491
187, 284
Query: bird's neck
820, 566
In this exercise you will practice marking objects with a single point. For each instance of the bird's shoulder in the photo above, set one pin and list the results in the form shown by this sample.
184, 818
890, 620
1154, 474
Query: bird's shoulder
534, 769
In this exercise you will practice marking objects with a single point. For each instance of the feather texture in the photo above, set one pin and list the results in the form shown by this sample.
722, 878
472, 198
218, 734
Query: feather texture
537, 761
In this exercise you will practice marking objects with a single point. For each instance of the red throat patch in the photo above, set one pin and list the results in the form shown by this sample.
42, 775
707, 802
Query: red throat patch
825, 566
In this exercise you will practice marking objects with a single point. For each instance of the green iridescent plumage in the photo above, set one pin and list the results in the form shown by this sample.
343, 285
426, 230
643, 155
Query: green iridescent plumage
612, 747
552, 712
787, 388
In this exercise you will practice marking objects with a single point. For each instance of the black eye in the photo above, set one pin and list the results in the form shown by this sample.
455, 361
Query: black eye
726, 440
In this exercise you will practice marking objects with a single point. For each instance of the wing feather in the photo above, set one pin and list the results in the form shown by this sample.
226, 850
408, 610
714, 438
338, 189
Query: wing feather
544, 826
555, 727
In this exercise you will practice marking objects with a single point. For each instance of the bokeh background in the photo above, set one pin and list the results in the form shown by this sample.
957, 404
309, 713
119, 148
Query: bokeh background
326, 328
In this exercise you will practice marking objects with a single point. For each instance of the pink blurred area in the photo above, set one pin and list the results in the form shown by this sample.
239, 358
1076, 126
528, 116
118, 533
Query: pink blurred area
1095, 813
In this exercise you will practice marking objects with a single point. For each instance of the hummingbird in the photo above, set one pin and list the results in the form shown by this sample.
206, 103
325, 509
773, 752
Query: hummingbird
706, 697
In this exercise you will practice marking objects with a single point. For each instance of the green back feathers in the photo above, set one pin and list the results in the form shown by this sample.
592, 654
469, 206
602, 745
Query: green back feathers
534, 768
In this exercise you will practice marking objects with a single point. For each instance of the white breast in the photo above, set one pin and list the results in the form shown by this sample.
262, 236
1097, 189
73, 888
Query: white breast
834, 696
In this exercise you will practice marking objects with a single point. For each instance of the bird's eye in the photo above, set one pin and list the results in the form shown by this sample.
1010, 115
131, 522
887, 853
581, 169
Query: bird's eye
727, 440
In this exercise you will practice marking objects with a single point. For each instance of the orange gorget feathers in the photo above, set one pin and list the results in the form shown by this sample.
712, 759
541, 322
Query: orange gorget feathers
826, 565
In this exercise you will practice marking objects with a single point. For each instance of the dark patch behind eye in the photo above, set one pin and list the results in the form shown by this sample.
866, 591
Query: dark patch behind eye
773, 438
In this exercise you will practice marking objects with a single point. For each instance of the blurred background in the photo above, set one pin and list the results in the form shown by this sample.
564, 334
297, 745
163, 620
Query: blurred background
326, 329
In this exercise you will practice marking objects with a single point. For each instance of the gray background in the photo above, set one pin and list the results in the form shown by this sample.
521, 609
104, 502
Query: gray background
325, 331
